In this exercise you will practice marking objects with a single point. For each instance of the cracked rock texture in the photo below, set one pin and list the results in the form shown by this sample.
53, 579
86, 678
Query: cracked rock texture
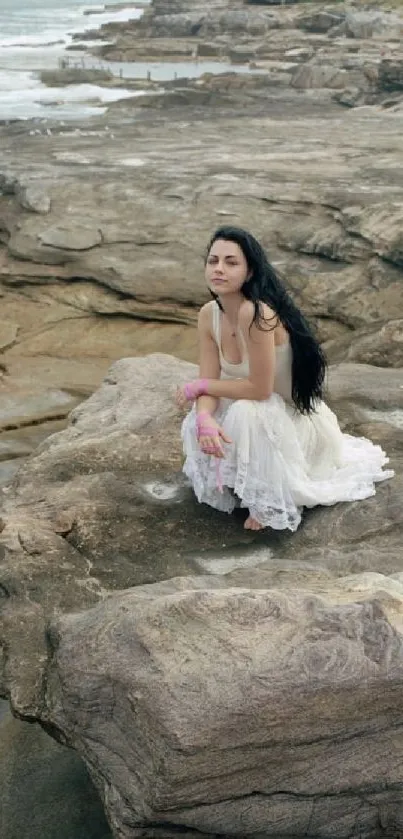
103, 225
212, 681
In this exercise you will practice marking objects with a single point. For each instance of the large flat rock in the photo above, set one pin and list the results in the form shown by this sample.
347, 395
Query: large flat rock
114, 267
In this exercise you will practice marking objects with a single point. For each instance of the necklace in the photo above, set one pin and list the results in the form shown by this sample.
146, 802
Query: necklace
233, 329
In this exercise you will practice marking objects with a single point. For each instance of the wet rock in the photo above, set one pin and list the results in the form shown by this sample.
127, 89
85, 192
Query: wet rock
391, 74
8, 183
320, 21
75, 75
45, 790
350, 97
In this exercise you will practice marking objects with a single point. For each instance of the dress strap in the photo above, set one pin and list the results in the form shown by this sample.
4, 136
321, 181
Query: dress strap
217, 324
244, 347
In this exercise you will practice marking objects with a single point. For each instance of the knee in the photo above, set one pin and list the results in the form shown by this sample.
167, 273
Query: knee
241, 410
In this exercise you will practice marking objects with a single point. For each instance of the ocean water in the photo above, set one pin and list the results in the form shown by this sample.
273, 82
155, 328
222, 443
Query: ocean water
34, 35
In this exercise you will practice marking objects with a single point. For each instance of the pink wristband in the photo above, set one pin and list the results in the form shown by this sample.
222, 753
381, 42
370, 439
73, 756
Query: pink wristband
193, 390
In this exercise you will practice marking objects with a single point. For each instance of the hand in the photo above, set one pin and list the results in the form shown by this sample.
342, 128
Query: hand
190, 391
210, 435
181, 398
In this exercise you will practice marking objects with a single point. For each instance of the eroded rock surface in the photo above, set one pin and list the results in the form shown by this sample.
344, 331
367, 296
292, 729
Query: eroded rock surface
234, 712
103, 227
116, 266
101, 508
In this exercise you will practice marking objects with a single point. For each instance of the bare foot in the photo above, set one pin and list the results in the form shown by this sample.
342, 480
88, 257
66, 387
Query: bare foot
252, 524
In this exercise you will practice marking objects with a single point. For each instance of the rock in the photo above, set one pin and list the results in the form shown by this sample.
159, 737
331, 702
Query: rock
271, 2
8, 183
75, 75
30, 196
73, 237
10, 449
365, 24
22, 441
114, 473
154, 48
308, 76
299, 53
350, 97
8, 334
8, 469
390, 75
381, 346
35, 199
118, 266
241, 55
326, 602
320, 21
36, 772
382, 224
359, 394
362, 24
179, 97
178, 25
205, 50
277, 677
164, 193
26, 246
26, 408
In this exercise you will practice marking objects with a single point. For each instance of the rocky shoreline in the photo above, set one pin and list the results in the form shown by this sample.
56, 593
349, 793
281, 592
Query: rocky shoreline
103, 227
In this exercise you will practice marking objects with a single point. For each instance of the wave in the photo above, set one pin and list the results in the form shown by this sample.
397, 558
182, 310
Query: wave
45, 35
31, 42
61, 103
34, 39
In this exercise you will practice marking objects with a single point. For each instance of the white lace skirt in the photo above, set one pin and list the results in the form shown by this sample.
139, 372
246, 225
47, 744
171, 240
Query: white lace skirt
280, 461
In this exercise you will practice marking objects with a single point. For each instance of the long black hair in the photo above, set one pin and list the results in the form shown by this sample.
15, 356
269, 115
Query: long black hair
264, 286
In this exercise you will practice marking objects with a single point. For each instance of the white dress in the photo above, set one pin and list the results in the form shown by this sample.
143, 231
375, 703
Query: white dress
279, 460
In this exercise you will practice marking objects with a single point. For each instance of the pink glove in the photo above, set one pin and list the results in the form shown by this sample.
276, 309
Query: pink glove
204, 427
193, 390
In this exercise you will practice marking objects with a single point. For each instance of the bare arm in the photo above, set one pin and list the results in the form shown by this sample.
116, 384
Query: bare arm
261, 352
209, 359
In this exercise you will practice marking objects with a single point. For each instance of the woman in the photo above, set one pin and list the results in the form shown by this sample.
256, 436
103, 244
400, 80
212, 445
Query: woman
259, 434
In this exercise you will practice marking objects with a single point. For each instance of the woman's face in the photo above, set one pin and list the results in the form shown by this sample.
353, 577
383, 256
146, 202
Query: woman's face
226, 267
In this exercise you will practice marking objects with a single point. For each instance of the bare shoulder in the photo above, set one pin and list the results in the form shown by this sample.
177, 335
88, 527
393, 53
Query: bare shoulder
205, 316
247, 313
